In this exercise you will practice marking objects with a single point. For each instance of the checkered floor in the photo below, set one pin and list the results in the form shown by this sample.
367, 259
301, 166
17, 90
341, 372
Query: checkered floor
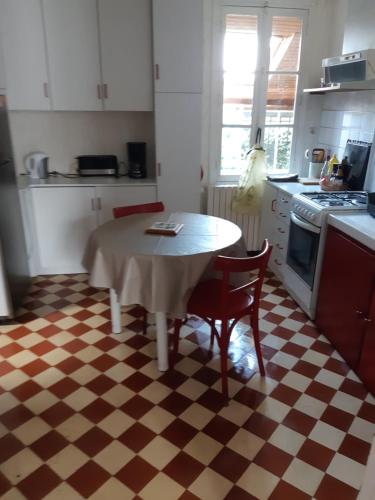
86, 414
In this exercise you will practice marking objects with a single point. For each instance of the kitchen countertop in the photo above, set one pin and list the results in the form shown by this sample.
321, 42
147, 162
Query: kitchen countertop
359, 226
25, 182
294, 187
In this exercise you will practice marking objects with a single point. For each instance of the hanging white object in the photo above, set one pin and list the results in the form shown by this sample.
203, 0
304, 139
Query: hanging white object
248, 197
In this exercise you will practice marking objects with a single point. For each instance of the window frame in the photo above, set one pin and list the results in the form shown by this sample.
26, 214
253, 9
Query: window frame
264, 23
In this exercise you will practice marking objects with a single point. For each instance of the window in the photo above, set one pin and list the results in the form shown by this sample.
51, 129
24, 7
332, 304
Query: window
259, 64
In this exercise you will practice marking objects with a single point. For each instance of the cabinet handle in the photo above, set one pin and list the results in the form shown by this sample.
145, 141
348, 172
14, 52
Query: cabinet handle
45, 89
281, 230
282, 214
158, 166
277, 262
273, 206
93, 204
279, 246
105, 91
99, 203
284, 200
99, 90
157, 75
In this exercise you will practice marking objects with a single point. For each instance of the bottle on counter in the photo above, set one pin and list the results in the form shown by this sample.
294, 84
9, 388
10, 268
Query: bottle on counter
333, 162
324, 177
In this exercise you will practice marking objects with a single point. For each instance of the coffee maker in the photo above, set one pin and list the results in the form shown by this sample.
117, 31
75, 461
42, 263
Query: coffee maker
137, 160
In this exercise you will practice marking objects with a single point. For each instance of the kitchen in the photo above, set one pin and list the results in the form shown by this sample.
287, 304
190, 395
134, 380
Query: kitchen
64, 117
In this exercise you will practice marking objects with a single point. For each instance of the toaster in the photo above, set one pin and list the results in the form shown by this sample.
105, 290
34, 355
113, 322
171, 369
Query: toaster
90, 165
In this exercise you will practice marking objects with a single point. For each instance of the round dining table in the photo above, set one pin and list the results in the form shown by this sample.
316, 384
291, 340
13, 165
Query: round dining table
158, 272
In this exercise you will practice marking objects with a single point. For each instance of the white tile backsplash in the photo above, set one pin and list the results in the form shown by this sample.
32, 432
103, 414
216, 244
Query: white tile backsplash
346, 116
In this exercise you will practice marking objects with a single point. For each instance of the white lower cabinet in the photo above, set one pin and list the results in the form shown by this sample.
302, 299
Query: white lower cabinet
62, 219
110, 197
275, 226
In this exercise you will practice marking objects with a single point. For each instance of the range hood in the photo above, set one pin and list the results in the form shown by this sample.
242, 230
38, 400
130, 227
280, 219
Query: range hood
343, 87
347, 73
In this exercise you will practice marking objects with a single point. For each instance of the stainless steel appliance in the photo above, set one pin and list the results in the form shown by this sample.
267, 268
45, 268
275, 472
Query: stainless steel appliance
94, 165
308, 225
348, 68
37, 165
14, 271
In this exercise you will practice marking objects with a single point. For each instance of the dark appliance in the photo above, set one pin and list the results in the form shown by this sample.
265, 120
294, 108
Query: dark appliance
93, 165
371, 204
14, 268
137, 159
358, 153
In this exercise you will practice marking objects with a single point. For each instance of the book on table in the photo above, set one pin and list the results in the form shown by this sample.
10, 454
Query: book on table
166, 228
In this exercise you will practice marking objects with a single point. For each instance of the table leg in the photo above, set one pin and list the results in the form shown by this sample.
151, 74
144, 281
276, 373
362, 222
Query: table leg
115, 312
162, 341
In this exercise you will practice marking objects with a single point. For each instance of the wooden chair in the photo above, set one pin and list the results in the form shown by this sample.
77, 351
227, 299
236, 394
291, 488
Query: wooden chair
118, 212
157, 206
217, 299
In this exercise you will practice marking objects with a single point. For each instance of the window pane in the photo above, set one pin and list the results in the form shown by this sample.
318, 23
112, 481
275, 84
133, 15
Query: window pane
285, 43
240, 56
281, 95
277, 143
235, 145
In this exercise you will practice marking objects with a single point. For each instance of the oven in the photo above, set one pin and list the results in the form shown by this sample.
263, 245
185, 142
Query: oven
303, 247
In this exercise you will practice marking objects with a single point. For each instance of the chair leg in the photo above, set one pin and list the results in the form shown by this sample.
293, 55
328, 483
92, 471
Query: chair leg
224, 341
145, 322
255, 327
176, 340
212, 337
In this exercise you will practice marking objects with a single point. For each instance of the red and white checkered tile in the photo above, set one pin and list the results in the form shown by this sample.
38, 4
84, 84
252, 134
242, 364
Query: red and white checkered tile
86, 414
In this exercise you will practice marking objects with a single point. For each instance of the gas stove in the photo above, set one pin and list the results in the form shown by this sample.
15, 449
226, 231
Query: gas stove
314, 206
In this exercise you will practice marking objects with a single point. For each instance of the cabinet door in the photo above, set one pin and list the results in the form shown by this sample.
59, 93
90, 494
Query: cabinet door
125, 39
73, 54
366, 365
268, 214
24, 54
178, 45
177, 129
110, 197
347, 278
64, 218
2, 68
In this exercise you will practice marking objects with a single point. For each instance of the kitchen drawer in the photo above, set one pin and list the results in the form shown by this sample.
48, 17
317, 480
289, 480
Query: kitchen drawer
283, 205
277, 262
280, 229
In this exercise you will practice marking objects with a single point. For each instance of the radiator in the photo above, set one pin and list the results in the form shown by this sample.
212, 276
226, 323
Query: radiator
219, 204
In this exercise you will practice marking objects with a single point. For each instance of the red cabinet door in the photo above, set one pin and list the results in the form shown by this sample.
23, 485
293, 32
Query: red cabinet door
366, 366
347, 280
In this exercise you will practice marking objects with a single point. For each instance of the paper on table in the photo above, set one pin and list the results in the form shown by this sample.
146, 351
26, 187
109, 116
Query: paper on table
166, 228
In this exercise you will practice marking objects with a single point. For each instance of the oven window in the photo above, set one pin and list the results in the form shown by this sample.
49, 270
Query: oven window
303, 252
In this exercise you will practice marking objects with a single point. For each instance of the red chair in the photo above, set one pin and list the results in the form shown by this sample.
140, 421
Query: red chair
118, 212
217, 299
157, 206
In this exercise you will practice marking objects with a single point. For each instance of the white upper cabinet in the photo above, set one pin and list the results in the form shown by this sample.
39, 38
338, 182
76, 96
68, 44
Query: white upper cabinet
126, 50
24, 54
73, 54
178, 45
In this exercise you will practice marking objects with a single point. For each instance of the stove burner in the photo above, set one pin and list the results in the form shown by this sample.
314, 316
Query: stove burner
333, 203
337, 199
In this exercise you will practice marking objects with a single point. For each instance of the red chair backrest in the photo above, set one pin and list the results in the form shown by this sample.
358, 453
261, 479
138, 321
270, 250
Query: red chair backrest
243, 264
157, 206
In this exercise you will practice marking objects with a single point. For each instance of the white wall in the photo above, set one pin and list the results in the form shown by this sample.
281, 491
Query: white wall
359, 26
64, 135
348, 115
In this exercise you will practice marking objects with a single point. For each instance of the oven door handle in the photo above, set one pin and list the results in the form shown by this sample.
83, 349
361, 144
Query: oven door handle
305, 225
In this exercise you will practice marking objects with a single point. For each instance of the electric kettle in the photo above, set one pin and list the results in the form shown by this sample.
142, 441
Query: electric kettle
37, 165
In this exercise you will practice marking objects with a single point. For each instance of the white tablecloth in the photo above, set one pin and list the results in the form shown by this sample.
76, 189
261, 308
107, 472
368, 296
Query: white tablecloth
158, 272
